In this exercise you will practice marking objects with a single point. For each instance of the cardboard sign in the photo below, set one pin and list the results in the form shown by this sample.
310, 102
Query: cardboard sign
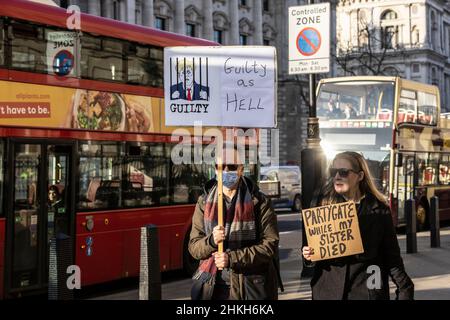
333, 230
220, 86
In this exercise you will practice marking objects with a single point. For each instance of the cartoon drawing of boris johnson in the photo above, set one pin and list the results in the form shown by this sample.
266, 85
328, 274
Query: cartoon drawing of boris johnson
187, 88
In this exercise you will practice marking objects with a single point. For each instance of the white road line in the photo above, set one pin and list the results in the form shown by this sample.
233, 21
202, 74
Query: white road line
286, 232
289, 215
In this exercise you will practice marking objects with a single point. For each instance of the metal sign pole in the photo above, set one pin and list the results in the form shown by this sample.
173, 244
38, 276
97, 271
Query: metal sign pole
312, 157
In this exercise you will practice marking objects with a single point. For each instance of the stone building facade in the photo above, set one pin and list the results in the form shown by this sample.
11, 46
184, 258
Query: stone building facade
229, 22
413, 35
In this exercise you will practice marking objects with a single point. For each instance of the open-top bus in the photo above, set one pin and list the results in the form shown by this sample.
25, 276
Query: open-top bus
396, 124
83, 147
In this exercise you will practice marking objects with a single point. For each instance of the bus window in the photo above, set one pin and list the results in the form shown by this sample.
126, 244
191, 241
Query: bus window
2, 43
187, 181
427, 108
28, 47
145, 65
444, 170
100, 176
427, 164
366, 100
145, 176
1, 178
102, 58
407, 110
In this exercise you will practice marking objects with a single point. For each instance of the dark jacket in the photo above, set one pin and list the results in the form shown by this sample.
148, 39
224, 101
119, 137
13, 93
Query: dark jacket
253, 265
195, 95
346, 277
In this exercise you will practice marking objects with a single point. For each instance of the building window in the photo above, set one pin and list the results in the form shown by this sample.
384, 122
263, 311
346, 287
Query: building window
391, 71
266, 6
389, 15
389, 32
416, 68
266, 42
415, 37
160, 23
63, 3
389, 37
434, 78
243, 40
434, 31
243, 3
138, 12
218, 36
190, 29
116, 10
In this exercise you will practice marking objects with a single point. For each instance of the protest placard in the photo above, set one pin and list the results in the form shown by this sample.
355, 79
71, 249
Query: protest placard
333, 230
231, 86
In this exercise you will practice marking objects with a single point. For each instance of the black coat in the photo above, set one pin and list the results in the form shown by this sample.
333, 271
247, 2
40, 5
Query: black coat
346, 277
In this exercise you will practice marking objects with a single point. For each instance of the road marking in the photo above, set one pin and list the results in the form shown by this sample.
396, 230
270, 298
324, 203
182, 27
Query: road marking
289, 215
286, 232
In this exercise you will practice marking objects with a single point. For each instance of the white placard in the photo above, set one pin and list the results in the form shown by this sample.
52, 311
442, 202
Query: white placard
224, 86
309, 38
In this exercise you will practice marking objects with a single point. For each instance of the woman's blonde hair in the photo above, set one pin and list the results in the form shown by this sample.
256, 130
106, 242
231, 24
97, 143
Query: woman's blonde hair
366, 185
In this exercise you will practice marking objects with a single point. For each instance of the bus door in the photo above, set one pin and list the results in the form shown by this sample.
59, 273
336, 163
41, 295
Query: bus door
40, 206
406, 178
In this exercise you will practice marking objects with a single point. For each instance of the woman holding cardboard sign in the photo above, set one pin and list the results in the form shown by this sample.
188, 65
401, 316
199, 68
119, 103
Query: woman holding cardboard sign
363, 276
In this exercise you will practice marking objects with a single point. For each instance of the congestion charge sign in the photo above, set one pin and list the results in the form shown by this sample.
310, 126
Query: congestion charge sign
309, 39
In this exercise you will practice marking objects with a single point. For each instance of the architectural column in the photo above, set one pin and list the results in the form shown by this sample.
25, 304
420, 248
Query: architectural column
408, 32
354, 26
234, 18
107, 9
208, 20
257, 22
179, 17
282, 37
131, 11
147, 13
94, 7
123, 10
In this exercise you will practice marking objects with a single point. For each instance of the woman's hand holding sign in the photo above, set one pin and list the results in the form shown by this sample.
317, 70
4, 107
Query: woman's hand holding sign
307, 253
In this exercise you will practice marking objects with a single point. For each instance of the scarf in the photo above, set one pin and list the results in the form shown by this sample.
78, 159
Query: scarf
239, 222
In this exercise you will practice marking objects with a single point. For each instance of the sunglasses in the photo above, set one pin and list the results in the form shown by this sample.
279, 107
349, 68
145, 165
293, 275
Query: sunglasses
231, 167
343, 172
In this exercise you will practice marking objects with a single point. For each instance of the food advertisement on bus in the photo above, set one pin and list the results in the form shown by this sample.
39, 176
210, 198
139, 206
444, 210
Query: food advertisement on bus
56, 107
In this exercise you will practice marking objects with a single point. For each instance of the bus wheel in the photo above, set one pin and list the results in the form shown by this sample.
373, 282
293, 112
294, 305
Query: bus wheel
297, 206
190, 264
421, 216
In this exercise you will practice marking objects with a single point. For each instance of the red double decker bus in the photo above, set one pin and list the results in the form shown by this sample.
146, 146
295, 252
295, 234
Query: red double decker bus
83, 147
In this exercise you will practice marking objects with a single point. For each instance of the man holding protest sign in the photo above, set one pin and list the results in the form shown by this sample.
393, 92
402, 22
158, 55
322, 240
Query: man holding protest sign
344, 270
248, 267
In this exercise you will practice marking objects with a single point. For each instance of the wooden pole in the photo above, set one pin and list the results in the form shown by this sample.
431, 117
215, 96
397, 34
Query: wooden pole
220, 189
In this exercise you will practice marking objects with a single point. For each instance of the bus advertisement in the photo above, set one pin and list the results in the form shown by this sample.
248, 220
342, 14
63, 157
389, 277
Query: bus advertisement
396, 124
